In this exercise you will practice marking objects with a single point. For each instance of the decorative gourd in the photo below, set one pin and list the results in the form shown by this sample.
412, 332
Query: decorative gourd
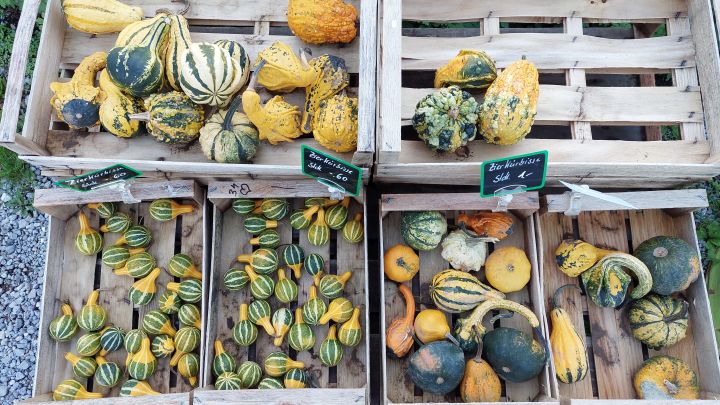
238, 53
278, 363
107, 373
116, 257
353, 231
302, 219
672, 262
270, 383
293, 256
64, 327
339, 311
399, 335
263, 260
222, 362
568, 347
278, 69
464, 251
468, 343
268, 238
100, 16
137, 266
470, 69
437, 367
508, 269
301, 336
336, 215
495, 225
118, 223
331, 78
189, 290
165, 209
92, 316
189, 315
71, 390
350, 332
162, 346
658, 321
189, 367
228, 380
105, 210
319, 232
510, 106
286, 290
335, 123
88, 344
607, 282
314, 308
83, 367
209, 75
666, 378
182, 266
474, 321
250, 374
282, 320
261, 286
244, 206
254, 224
275, 208
116, 109
480, 383
276, 121
514, 355
401, 263
135, 236
332, 286
431, 325
137, 68
245, 332
133, 339
157, 323
314, 264
322, 22
331, 351
259, 314
235, 279
135, 388
186, 340
143, 363
456, 291
139, 31
143, 291
323, 202
172, 117
573, 257
295, 378
446, 119
77, 102
178, 41
88, 241
111, 339
228, 136
169, 302
423, 230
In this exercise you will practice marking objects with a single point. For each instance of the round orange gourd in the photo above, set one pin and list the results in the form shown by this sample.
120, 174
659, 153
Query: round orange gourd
401, 263
507, 269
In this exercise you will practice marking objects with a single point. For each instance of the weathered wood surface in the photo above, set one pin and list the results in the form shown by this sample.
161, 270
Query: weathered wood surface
670, 199
337, 396
456, 201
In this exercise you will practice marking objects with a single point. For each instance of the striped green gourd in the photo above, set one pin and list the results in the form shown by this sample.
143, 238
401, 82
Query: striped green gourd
228, 380
162, 346
82, 366
92, 316
107, 373
189, 315
331, 351
189, 290
135, 388
238, 53
332, 286
319, 233
286, 290
259, 314
270, 383
189, 367
235, 279
350, 332
138, 265
245, 332
223, 362
275, 208
423, 230
111, 339
268, 238
186, 340
88, 344
117, 256
88, 241
208, 75
143, 363
457, 291
295, 378
261, 286
263, 260
178, 41
336, 216
70, 390
323, 202
105, 209
169, 302
157, 323
339, 310
250, 374
64, 327
244, 206
314, 308
301, 336
314, 264
282, 320
165, 209
353, 231
143, 291
293, 256
278, 363
254, 224
182, 266
133, 339
301, 219
135, 236
118, 223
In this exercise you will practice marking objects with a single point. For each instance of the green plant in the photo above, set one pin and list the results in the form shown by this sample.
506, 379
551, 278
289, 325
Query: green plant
20, 176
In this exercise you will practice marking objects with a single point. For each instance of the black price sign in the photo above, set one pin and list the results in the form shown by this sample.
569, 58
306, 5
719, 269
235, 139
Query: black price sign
100, 178
331, 171
513, 174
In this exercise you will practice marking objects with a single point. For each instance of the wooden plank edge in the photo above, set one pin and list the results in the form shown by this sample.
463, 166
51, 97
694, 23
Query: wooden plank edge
325, 396
454, 201
302, 188
662, 199
163, 399
367, 95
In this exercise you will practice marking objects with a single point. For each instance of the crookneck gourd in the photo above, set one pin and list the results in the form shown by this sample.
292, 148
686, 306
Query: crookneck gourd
71, 390
474, 320
470, 69
178, 41
276, 121
401, 263
209, 75
573, 257
456, 291
116, 109
172, 117
496, 225
78, 101
335, 123
666, 378
446, 119
399, 335
331, 77
322, 22
507, 269
279, 69
607, 282
568, 347
465, 251
100, 16
228, 136
658, 321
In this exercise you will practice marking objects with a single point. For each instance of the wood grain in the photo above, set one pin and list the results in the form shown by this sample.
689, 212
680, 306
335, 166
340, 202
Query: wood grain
675, 199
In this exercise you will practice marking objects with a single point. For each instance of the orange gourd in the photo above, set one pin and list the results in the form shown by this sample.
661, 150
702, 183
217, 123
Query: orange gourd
401, 263
322, 21
399, 335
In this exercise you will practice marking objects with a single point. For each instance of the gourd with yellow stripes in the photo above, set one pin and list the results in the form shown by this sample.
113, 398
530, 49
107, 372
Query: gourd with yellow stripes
335, 123
259, 314
118, 223
245, 206
278, 363
157, 323
314, 308
319, 232
607, 282
353, 231
172, 117
182, 266
178, 41
116, 109
470, 69
65, 326
107, 373
573, 257
275, 208
295, 378
282, 320
228, 136
88, 344
332, 286
71, 390
293, 256
92, 316
165, 209
278, 69
263, 260
568, 347
223, 362
286, 290
77, 102
245, 332
135, 388
301, 336
350, 332
209, 75
105, 209
189, 367
322, 22
116, 257
456, 291
339, 311
88, 241
139, 31
330, 79
100, 16
336, 216
186, 340
189, 315
143, 291
82, 366
250, 374
143, 363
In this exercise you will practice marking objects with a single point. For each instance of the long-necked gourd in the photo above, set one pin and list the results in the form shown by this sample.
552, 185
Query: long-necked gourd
77, 102
181, 265
574, 256
100, 16
568, 347
607, 282
70, 390
399, 334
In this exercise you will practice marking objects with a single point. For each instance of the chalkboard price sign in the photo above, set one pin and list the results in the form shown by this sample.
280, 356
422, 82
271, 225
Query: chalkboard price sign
513, 174
331, 171
100, 178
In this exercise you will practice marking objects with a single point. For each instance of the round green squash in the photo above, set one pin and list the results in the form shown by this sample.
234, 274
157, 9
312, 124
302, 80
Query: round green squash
228, 136
314, 264
437, 367
423, 230
244, 206
138, 265
235, 279
295, 378
514, 355
293, 256
107, 373
250, 374
268, 238
658, 321
331, 351
446, 119
673, 263
228, 380
92, 316
115, 256
254, 224
118, 223
133, 339
223, 362
286, 290
189, 315
112, 338
271, 383
275, 208
64, 327
88, 344
189, 290
135, 236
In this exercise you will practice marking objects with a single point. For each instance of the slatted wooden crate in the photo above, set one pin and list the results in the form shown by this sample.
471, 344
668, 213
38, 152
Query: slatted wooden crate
613, 352
70, 276
568, 46
48, 143
398, 387
348, 382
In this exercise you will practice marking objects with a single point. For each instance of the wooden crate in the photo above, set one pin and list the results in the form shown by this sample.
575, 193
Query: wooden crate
48, 143
70, 276
564, 45
397, 385
348, 382
614, 354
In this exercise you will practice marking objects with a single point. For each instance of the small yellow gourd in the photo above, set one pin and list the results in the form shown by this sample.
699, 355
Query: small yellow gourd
115, 111
77, 102
480, 383
279, 69
276, 121
401, 263
573, 257
335, 123
568, 347
431, 325
100, 16
508, 269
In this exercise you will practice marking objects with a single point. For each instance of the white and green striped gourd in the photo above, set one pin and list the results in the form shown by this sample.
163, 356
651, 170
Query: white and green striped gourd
209, 75
65, 326
138, 265
119, 222
235, 279
186, 340
301, 219
82, 366
133, 339
286, 290
339, 310
314, 308
107, 373
331, 351
245, 206
278, 363
293, 256
314, 264
254, 224
143, 290
88, 344
350, 332
164, 210
182, 266
244, 332
275, 208
336, 216
270, 383
169, 302
135, 236
88, 241
157, 323
92, 316
301, 336
228, 380
282, 320
189, 315
263, 260
319, 232
332, 286
259, 314
117, 256
353, 231
295, 378
104, 209
189, 290
111, 339
223, 362
268, 238
143, 363
162, 346
135, 388
189, 367
250, 374
261, 286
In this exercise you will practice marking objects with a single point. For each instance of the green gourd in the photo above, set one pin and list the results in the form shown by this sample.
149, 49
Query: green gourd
244, 206
282, 319
116, 257
162, 346
514, 355
88, 241
270, 383
189, 367
88, 344
275, 208
268, 238
250, 374
607, 282
254, 224
169, 302
353, 231
133, 339
470, 69
293, 256
423, 230
105, 209
337, 215
82, 366
189, 315
135, 388
295, 378
64, 327
437, 367
182, 266
244, 332
92, 316
319, 232
71, 390
278, 363
228, 380
331, 351
446, 119
223, 362
339, 310
261, 286
111, 339
286, 290
658, 321
187, 339
157, 323
235, 279
228, 136
143, 363
143, 291
301, 336
263, 260
350, 332
332, 286
189, 290
172, 118
107, 373
259, 314
135, 236
314, 264
164, 210
672, 262
314, 308
118, 223
301, 219
138, 265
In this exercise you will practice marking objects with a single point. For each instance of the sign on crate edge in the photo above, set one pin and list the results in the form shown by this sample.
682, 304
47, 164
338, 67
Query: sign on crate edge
514, 181
351, 175
108, 176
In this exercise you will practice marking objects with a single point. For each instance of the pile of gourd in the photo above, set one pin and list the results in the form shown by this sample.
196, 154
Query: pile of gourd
664, 266
185, 90
280, 370
439, 365
157, 338
451, 117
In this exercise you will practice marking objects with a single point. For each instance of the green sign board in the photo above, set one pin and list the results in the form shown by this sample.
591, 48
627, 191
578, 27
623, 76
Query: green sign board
100, 178
331, 171
513, 174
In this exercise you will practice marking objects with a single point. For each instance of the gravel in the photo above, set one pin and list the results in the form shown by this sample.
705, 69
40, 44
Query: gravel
22, 262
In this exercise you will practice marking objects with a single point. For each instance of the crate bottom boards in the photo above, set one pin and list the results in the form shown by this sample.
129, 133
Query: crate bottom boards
324, 396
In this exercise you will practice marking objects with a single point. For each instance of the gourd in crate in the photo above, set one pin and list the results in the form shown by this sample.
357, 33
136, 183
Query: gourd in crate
332, 286
263, 260
223, 362
507, 269
399, 334
116, 109
165, 209
82, 366
323, 202
353, 231
470, 69
209, 75
228, 380
100, 16
464, 251
496, 225
77, 102
278, 363
135, 236
423, 230
261, 286
469, 341
574, 257
314, 264
178, 41
133, 339
244, 206
446, 119
350, 332
65, 326
254, 224
244, 332
182, 266
437, 367
275, 208
278, 69
277, 121
319, 232
162, 346
111, 339
189, 315
238, 53
480, 383
293, 256
139, 31
119, 222
607, 282
107, 373
322, 22
666, 378
331, 351
105, 209
259, 314
143, 291
455, 291
286, 290
339, 310
88, 241
137, 265
143, 363
228, 136
568, 347
301, 336
672, 262
301, 219
189, 290
116, 257
336, 216
71, 390
92, 316
658, 321
172, 117
295, 378
268, 238
189, 367
235, 279
250, 374
169, 302
135, 388
88, 344
186, 340
331, 78
314, 308
401, 263
431, 325
282, 320
157, 323
270, 383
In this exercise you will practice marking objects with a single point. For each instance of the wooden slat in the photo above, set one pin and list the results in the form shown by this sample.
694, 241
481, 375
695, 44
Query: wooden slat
390, 65
457, 201
367, 97
685, 78
676, 199
166, 399
281, 397
648, 80
576, 77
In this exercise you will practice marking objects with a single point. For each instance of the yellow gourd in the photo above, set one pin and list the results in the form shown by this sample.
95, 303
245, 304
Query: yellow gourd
77, 102
100, 16
331, 78
666, 378
115, 111
322, 21
480, 383
399, 335
278, 69
401, 263
569, 354
276, 121
335, 123
508, 269
573, 257
431, 325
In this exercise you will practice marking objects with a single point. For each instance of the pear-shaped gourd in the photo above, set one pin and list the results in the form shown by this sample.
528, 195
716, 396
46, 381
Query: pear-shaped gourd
293, 256
276, 121
143, 290
135, 236
263, 260
319, 232
336, 216
228, 136
92, 316
235, 279
223, 362
162, 346
353, 231
64, 327
182, 266
331, 351
350, 332
245, 332
244, 206
70, 390
189, 290
133, 340
314, 308
157, 323
138, 265
574, 256
77, 102
118, 223
82, 366
279, 69
169, 302
189, 367
88, 241
301, 336
278, 363
250, 374
189, 315
116, 109
295, 378
135, 388
268, 238
275, 208
105, 209
254, 224
332, 286
143, 363
186, 340
282, 319
116, 257
302, 219
107, 373
165, 209
339, 311
286, 290
111, 339
259, 314
261, 286
314, 264
88, 344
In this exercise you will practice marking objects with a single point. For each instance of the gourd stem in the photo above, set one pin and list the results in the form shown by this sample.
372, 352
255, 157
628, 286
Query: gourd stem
501, 316
254, 78
143, 116
227, 122
556, 295
672, 388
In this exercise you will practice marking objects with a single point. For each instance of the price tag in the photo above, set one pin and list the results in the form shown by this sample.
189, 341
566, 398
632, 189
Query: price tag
331, 171
513, 174
100, 178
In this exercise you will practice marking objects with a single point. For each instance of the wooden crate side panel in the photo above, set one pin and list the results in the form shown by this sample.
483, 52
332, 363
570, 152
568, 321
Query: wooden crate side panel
368, 76
336, 396
671, 199
164, 399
